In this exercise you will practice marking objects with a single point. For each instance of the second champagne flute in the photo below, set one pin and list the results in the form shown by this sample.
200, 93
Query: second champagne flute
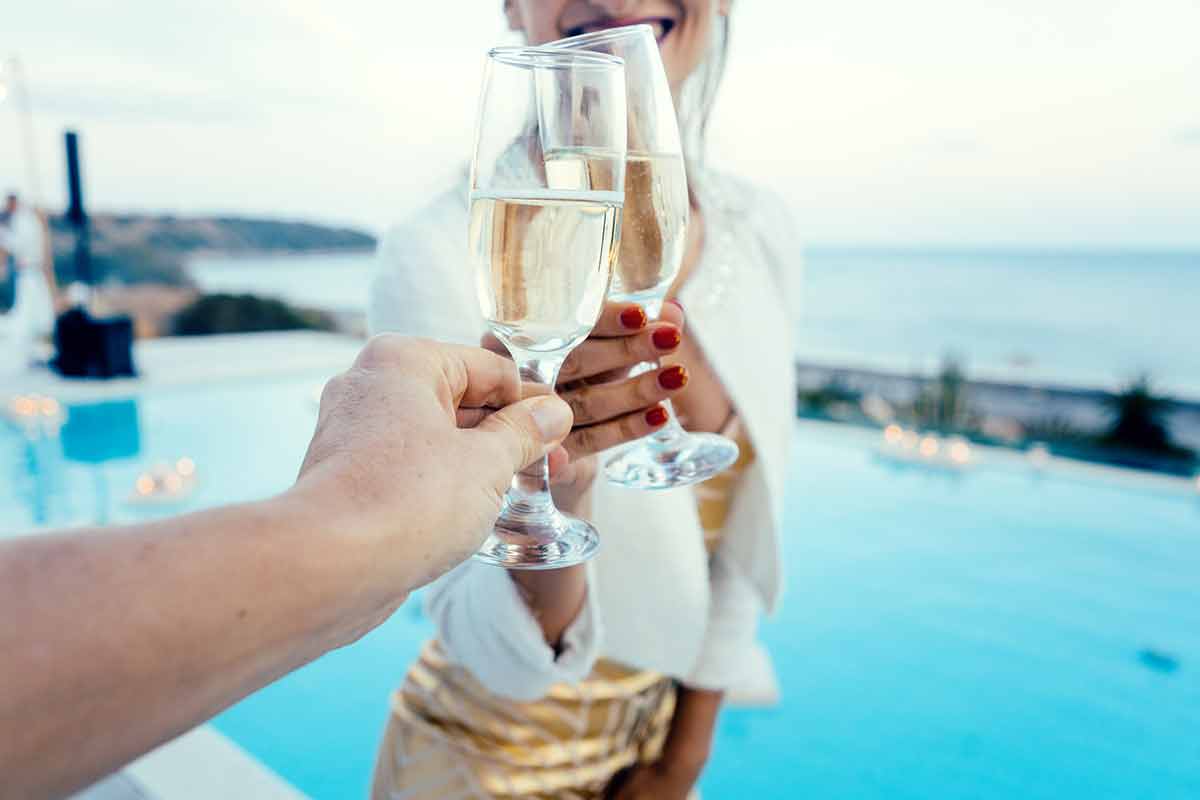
543, 254
653, 242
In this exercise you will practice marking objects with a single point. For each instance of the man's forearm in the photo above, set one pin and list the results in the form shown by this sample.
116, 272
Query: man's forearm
117, 640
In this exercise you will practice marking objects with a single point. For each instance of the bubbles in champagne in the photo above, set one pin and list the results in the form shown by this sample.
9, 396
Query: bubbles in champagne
542, 263
654, 220
653, 227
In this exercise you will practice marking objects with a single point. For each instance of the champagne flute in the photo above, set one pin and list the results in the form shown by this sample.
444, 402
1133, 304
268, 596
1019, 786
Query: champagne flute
543, 252
653, 242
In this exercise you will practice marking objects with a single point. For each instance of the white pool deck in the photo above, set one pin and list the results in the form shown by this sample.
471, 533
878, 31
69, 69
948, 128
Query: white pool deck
202, 764
194, 360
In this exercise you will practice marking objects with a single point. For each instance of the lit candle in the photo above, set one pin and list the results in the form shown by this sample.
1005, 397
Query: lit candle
929, 446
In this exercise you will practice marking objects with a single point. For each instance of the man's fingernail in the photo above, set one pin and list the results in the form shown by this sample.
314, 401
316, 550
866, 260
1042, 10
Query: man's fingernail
666, 338
633, 318
552, 417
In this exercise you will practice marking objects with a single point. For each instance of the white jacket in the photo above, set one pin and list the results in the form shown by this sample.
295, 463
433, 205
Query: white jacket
655, 599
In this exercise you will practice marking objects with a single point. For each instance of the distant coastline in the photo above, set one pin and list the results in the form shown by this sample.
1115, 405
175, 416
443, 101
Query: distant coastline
141, 263
155, 248
251, 255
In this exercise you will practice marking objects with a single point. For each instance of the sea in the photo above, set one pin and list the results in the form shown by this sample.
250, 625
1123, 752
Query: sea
1065, 318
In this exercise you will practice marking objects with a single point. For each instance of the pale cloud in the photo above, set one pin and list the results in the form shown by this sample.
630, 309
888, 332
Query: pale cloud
1035, 121
1187, 137
954, 144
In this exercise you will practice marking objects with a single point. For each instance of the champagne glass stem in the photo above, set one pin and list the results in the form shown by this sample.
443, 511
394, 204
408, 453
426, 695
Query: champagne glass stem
529, 496
670, 457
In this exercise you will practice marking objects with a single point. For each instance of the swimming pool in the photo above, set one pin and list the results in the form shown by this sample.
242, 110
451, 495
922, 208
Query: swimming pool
994, 633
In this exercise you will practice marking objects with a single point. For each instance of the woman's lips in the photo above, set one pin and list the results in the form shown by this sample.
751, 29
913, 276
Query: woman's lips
662, 26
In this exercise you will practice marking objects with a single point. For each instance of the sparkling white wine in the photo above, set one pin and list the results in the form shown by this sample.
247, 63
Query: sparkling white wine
653, 222
543, 260
653, 227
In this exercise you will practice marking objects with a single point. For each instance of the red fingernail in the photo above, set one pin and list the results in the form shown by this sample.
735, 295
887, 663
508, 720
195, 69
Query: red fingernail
633, 318
666, 338
678, 304
656, 416
673, 378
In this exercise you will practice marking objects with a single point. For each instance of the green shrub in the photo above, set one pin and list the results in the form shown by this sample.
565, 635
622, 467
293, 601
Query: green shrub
246, 313
1139, 420
943, 404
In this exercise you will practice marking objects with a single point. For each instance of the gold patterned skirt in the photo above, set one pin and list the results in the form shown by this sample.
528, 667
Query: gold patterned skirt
449, 737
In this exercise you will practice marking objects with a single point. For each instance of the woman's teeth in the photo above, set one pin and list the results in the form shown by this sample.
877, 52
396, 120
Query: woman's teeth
661, 26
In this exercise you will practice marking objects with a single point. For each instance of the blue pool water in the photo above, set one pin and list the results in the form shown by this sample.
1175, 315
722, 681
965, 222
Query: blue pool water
996, 634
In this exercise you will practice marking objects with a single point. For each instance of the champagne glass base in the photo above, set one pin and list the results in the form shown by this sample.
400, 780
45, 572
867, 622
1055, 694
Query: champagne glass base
556, 542
690, 459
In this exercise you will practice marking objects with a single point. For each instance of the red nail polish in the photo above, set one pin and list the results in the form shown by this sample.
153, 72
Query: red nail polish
673, 378
666, 338
633, 318
656, 416
678, 304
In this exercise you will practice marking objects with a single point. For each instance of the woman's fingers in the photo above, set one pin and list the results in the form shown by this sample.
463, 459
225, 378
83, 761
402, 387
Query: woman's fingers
672, 312
596, 356
607, 355
570, 476
491, 343
606, 401
585, 441
620, 319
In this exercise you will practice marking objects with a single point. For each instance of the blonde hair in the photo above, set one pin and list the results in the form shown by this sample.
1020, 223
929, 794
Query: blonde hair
698, 94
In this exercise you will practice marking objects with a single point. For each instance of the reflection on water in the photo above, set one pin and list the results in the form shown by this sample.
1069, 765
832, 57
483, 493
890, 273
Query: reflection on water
41, 476
96, 434
222, 443
92, 435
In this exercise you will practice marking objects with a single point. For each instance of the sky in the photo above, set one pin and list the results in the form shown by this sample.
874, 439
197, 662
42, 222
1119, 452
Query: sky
1041, 123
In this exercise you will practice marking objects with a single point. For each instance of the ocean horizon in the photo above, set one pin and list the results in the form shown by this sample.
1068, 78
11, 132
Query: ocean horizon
1039, 315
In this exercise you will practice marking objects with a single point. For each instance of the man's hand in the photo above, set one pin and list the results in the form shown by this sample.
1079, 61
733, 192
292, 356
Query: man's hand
127, 636
415, 446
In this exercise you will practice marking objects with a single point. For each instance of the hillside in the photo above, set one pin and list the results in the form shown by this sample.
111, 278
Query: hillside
138, 248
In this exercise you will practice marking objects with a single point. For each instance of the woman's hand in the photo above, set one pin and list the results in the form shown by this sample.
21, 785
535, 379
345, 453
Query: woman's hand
654, 781
684, 753
610, 407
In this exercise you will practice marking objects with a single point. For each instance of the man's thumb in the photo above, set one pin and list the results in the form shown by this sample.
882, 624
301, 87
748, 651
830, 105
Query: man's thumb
528, 430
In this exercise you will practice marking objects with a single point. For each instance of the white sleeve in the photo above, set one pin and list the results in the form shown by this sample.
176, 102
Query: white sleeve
731, 658
485, 626
423, 284
782, 247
